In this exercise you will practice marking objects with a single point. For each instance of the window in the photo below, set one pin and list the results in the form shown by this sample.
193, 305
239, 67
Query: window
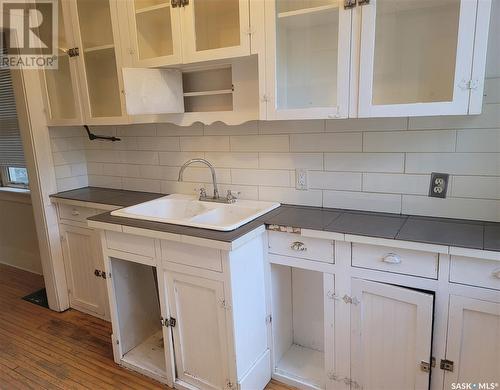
14, 177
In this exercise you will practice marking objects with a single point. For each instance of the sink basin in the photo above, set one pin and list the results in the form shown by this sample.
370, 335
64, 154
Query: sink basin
187, 210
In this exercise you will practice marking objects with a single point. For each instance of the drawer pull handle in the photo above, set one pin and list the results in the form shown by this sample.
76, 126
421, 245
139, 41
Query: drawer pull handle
298, 246
75, 212
392, 258
496, 273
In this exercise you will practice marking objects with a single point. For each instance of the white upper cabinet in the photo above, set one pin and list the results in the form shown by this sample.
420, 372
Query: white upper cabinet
417, 56
100, 79
215, 29
155, 32
308, 53
61, 94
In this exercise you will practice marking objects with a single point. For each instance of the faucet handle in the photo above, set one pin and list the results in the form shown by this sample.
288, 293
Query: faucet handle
231, 197
203, 192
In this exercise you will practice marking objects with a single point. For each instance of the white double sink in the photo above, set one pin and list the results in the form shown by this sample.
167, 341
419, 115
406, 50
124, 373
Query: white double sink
187, 210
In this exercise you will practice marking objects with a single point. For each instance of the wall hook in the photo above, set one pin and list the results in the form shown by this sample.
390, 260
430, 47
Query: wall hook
93, 136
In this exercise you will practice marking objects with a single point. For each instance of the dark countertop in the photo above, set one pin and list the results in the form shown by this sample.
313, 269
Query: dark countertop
109, 196
431, 230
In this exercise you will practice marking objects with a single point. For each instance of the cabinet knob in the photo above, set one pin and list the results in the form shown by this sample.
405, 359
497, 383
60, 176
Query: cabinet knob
298, 246
75, 212
496, 273
392, 258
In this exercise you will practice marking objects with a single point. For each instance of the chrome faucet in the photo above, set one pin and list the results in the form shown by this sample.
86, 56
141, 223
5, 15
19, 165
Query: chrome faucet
230, 198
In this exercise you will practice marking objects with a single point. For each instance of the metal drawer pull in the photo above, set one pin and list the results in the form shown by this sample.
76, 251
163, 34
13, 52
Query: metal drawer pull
298, 246
392, 258
496, 273
75, 212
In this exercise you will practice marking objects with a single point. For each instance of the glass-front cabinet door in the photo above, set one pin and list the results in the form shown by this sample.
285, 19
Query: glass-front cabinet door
62, 104
416, 57
101, 82
155, 32
308, 51
214, 29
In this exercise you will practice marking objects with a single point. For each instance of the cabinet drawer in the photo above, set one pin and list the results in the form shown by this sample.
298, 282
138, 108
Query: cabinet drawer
75, 213
293, 245
400, 261
475, 272
130, 243
192, 255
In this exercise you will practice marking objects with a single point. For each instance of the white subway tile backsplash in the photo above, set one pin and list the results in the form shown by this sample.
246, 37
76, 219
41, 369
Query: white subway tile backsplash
70, 157
454, 163
233, 160
348, 181
176, 159
396, 183
139, 157
205, 144
158, 143
388, 203
291, 160
139, 130
105, 181
260, 143
291, 196
479, 187
62, 171
71, 183
492, 90
488, 210
148, 185
219, 128
67, 144
331, 142
364, 162
204, 175
263, 177
478, 140
121, 170
67, 131
104, 156
366, 124
410, 141
287, 127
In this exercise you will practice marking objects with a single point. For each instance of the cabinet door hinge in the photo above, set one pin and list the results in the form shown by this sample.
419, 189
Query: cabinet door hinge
446, 365
229, 384
346, 298
224, 304
469, 84
73, 52
269, 319
363, 2
425, 366
349, 4
168, 322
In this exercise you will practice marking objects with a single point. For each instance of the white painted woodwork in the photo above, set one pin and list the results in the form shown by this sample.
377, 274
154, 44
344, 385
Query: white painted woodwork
130, 243
307, 59
397, 260
192, 255
82, 256
391, 333
300, 306
473, 341
294, 245
475, 272
200, 335
216, 30
137, 323
403, 71
68, 213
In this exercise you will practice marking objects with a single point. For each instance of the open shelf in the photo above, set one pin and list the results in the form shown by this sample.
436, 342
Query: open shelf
138, 310
298, 326
151, 8
307, 11
209, 93
98, 48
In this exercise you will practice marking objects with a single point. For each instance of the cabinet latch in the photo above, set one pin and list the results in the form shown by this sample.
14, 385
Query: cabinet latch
349, 4
446, 365
363, 2
425, 366
168, 322
73, 52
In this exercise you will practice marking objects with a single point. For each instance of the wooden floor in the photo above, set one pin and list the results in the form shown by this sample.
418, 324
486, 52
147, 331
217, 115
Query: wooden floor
42, 349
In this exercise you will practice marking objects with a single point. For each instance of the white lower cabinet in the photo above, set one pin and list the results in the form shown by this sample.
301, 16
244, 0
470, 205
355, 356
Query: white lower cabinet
302, 322
391, 336
84, 270
179, 321
200, 333
473, 342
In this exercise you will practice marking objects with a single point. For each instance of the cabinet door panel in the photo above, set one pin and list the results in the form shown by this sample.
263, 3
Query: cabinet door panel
308, 51
473, 341
391, 335
404, 68
82, 256
200, 333
215, 29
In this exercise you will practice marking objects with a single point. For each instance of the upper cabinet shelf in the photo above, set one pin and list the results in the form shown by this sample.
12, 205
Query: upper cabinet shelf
384, 58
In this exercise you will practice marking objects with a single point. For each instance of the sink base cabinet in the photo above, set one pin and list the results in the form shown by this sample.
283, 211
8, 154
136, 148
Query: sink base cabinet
186, 323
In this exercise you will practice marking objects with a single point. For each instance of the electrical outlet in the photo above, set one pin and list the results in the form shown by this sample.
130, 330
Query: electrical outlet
439, 185
301, 179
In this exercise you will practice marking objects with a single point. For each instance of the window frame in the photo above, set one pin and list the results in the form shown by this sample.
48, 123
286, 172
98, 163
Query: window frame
5, 180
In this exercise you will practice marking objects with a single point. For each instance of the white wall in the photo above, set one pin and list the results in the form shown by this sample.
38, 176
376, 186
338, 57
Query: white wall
18, 239
369, 164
